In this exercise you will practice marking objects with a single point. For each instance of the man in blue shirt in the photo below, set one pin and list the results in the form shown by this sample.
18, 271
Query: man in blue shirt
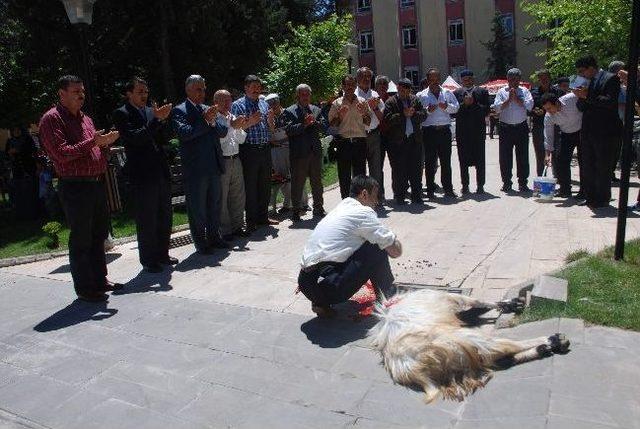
255, 153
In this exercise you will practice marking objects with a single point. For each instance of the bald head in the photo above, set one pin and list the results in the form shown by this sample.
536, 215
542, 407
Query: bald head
222, 98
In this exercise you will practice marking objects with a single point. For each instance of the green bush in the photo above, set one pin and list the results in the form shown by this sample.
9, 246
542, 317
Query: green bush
52, 229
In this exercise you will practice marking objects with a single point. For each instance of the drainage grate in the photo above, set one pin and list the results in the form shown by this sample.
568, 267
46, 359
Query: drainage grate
183, 240
408, 287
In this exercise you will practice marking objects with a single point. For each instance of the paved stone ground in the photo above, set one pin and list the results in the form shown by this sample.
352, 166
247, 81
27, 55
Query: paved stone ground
223, 341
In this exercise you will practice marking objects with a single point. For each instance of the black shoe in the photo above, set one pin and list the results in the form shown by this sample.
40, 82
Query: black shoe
295, 217
564, 194
319, 213
153, 268
583, 203
506, 188
465, 190
206, 251
430, 195
614, 179
579, 196
400, 201
305, 208
283, 210
218, 243
450, 194
480, 190
523, 189
417, 201
170, 260
240, 233
228, 237
98, 297
250, 229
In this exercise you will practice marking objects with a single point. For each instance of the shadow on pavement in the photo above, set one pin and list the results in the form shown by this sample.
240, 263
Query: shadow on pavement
486, 196
197, 260
305, 223
74, 313
610, 212
413, 208
147, 282
66, 268
334, 333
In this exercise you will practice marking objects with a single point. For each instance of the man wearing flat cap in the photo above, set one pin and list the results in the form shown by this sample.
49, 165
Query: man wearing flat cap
471, 130
512, 104
403, 114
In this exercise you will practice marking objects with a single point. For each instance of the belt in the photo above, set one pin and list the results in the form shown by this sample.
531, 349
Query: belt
439, 127
98, 178
318, 266
504, 124
352, 139
254, 146
231, 156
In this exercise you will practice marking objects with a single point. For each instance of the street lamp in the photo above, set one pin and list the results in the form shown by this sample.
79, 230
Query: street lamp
80, 13
350, 51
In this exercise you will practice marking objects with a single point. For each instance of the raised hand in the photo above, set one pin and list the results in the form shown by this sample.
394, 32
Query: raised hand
468, 100
239, 122
162, 112
211, 113
432, 108
373, 102
581, 92
309, 119
342, 111
443, 105
103, 139
363, 108
409, 112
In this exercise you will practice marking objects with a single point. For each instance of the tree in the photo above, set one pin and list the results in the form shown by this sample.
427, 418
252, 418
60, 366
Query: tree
312, 55
575, 28
503, 53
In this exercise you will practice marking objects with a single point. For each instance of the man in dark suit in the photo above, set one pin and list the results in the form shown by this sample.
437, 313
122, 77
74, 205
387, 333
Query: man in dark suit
601, 129
471, 130
404, 113
303, 124
199, 133
143, 131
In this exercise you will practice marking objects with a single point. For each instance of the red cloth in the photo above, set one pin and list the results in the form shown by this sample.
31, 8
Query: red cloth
68, 140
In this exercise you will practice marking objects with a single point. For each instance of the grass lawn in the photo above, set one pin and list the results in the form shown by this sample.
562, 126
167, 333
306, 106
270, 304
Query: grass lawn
20, 238
602, 291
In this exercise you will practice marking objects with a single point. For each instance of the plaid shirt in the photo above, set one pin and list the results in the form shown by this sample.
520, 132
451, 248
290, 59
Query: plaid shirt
68, 140
259, 133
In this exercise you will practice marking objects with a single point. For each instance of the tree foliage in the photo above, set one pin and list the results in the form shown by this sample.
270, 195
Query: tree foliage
501, 49
575, 28
312, 55
163, 41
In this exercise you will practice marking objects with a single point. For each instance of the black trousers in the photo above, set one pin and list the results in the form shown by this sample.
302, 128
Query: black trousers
333, 283
537, 136
204, 202
87, 214
568, 143
256, 168
352, 161
514, 136
437, 146
480, 164
309, 166
406, 167
596, 158
154, 218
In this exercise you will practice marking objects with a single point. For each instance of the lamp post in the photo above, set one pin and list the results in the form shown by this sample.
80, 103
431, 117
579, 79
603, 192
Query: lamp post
627, 136
350, 50
80, 13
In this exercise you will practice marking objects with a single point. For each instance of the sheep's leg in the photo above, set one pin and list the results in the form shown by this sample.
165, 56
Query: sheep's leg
469, 309
511, 352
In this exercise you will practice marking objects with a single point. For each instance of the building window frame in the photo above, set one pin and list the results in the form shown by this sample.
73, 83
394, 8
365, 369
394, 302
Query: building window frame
507, 24
456, 31
366, 36
363, 6
413, 74
409, 37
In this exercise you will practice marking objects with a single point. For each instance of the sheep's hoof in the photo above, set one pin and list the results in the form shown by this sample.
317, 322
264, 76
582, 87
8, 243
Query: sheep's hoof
559, 343
515, 305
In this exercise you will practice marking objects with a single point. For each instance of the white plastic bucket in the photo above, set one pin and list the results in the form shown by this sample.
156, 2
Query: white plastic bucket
545, 187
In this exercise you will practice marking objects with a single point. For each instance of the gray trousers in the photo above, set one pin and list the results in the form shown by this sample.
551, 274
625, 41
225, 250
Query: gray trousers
233, 197
374, 155
311, 167
282, 166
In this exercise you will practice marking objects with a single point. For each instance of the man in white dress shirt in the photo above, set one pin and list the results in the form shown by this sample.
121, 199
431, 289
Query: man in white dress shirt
347, 248
512, 104
364, 76
564, 113
436, 132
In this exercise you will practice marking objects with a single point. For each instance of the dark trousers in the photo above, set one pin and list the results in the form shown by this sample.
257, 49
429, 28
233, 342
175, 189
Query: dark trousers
479, 161
310, 166
596, 158
153, 216
256, 168
437, 146
352, 161
333, 283
514, 136
537, 136
87, 214
204, 195
406, 158
615, 156
568, 143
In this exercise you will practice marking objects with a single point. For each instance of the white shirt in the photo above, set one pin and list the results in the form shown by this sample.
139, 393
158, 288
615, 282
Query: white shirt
343, 231
513, 113
375, 122
438, 116
568, 118
235, 136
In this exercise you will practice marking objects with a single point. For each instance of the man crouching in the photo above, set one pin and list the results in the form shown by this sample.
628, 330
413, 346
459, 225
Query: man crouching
347, 248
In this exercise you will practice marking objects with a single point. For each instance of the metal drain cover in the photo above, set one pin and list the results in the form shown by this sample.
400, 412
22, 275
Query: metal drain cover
408, 287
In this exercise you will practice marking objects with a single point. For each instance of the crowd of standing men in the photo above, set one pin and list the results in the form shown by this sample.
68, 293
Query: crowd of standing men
230, 149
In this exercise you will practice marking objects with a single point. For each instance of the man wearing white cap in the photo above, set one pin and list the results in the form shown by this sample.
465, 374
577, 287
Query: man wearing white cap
512, 104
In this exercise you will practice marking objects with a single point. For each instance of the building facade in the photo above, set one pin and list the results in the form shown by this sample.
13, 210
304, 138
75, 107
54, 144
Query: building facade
407, 37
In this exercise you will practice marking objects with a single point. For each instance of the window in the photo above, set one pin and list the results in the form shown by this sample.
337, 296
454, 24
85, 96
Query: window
456, 32
409, 37
411, 73
407, 3
366, 41
507, 24
364, 5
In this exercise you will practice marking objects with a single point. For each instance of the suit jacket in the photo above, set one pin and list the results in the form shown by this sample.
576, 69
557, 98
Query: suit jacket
536, 94
143, 137
397, 123
200, 149
303, 140
600, 108
471, 127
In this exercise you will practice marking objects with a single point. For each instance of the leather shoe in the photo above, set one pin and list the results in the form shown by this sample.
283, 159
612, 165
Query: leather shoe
465, 190
524, 188
480, 190
169, 260
506, 188
218, 243
110, 286
430, 195
153, 268
205, 251
417, 201
269, 222
450, 194
284, 210
228, 237
319, 213
295, 217
98, 297
241, 233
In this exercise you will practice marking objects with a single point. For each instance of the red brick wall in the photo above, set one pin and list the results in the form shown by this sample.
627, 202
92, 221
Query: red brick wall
457, 54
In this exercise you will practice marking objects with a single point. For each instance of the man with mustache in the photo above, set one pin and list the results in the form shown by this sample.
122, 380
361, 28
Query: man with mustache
79, 156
